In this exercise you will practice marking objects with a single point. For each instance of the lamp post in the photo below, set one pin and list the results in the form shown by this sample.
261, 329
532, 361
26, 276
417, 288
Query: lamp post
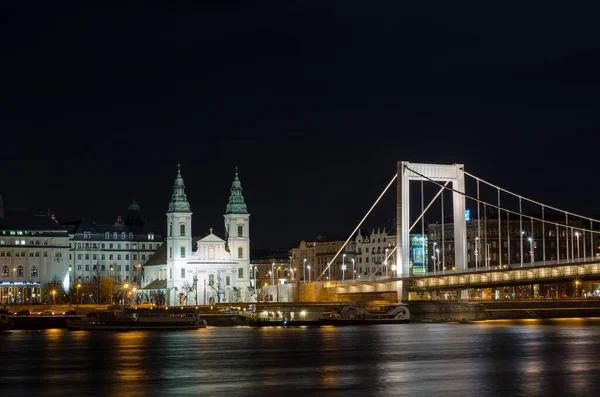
530, 250
343, 272
521, 246
385, 260
125, 287
135, 294
308, 267
437, 254
353, 271
577, 236
487, 255
394, 270
53, 296
272, 273
343, 265
433, 256
328, 271
110, 270
304, 270
139, 267
476, 252
255, 286
78, 295
271, 276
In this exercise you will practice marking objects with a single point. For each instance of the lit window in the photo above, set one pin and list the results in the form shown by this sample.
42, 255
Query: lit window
87, 235
34, 271
150, 236
20, 271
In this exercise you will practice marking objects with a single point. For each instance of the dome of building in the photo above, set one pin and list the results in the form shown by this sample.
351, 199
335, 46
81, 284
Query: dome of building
133, 206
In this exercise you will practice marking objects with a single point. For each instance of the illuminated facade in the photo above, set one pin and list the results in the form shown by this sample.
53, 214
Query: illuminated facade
33, 251
111, 250
202, 270
371, 253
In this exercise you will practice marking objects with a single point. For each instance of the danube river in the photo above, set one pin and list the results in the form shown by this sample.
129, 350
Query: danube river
503, 358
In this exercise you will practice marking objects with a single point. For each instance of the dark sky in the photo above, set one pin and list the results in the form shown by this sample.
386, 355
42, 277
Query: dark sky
314, 101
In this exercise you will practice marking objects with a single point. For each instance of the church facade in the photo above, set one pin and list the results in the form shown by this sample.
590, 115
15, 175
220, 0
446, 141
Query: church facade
201, 270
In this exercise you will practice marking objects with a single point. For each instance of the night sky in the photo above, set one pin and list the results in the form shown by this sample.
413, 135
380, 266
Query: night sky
315, 102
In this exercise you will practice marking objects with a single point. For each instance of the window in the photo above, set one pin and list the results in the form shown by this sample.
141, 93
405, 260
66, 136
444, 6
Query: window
34, 271
126, 268
150, 236
240, 231
119, 246
79, 266
4, 271
130, 236
30, 253
17, 242
182, 273
183, 252
211, 279
122, 235
240, 272
170, 252
126, 246
227, 280
110, 246
103, 257
182, 229
135, 257
20, 271
103, 245
37, 254
143, 246
87, 257
87, 235
87, 268
126, 257
45, 254
103, 268
94, 257
110, 257
149, 246
95, 267
118, 268
143, 257
170, 229
240, 252
107, 235
119, 257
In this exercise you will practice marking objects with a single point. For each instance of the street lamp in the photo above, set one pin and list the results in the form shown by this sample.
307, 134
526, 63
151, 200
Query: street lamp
110, 270
385, 260
433, 256
53, 296
139, 267
577, 236
531, 249
308, 267
272, 273
271, 276
343, 264
521, 245
343, 272
135, 293
476, 252
255, 271
78, 286
328, 271
304, 270
437, 254
125, 287
353, 271
487, 256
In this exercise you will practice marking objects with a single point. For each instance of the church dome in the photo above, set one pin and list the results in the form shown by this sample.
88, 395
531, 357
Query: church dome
133, 206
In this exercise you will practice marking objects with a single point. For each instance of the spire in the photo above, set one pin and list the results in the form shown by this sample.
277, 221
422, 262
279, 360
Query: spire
179, 200
236, 200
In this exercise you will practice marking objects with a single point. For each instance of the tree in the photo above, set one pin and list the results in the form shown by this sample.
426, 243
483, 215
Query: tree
47, 291
186, 287
219, 290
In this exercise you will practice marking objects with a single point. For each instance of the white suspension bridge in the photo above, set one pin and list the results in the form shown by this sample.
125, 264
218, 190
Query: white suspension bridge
559, 245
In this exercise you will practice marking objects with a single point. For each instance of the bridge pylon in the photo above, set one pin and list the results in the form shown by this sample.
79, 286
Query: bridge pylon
428, 172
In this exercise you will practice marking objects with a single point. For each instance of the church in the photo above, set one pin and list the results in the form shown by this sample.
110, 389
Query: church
190, 270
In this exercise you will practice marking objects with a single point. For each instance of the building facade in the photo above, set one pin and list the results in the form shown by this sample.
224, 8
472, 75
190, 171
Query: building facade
33, 251
314, 259
116, 250
202, 270
372, 249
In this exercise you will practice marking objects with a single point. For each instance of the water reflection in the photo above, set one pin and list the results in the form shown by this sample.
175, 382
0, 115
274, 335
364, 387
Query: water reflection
500, 358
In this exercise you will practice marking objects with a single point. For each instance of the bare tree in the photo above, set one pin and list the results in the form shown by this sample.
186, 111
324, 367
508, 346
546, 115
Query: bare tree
53, 291
186, 287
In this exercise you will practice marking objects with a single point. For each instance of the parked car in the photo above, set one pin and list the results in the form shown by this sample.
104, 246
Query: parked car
24, 312
47, 313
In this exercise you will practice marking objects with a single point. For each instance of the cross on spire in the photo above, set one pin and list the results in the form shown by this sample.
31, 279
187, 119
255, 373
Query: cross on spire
210, 229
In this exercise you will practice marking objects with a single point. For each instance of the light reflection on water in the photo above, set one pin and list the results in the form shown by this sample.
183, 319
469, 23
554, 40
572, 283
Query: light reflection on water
500, 358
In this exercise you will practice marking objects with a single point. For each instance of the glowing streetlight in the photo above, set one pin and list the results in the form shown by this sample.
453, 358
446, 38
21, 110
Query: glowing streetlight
530, 249
308, 267
353, 271
78, 287
476, 252
125, 287
53, 295
304, 270
343, 265
577, 236
272, 273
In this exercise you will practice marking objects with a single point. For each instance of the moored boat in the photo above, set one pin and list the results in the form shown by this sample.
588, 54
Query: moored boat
150, 319
396, 313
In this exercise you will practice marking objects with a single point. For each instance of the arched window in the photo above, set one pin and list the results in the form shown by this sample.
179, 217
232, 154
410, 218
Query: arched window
106, 235
4, 271
240, 231
122, 235
20, 271
183, 252
211, 279
170, 229
182, 229
240, 252
34, 271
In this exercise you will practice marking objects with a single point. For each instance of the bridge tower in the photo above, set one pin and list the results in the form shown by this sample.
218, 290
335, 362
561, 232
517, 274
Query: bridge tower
428, 172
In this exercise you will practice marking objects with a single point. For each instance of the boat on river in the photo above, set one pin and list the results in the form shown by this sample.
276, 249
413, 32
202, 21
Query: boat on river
144, 319
395, 313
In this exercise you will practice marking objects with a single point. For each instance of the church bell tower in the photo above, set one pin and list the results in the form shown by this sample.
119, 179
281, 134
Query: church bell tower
179, 235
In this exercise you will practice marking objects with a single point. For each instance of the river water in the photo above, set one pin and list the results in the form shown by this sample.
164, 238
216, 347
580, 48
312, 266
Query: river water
498, 358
